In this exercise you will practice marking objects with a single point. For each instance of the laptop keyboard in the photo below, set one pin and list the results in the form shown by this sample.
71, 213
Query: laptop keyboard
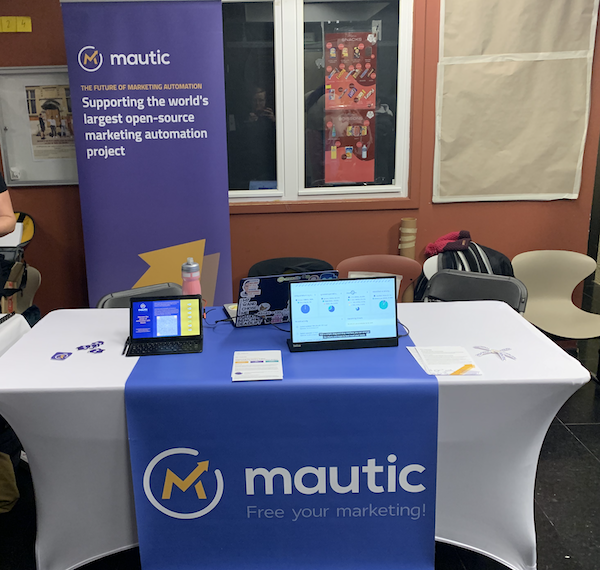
174, 347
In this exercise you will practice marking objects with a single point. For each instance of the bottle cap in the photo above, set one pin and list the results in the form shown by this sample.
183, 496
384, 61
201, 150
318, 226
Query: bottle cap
190, 266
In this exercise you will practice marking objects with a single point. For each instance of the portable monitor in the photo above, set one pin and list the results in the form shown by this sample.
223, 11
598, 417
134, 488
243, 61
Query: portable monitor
165, 325
343, 313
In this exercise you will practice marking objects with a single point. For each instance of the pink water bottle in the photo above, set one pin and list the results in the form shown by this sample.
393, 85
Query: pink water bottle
190, 274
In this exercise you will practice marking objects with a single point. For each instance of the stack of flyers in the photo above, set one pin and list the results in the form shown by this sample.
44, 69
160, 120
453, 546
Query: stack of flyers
257, 365
445, 360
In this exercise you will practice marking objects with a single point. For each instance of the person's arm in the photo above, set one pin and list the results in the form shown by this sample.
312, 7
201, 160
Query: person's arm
7, 215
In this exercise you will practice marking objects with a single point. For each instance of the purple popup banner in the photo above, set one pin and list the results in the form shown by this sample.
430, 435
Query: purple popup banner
148, 100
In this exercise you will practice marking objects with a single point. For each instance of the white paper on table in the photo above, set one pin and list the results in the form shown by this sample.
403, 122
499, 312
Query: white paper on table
445, 360
257, 365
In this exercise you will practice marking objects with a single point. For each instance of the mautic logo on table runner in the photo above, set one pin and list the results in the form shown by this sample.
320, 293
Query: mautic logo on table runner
191, 480
307, 480
321, 480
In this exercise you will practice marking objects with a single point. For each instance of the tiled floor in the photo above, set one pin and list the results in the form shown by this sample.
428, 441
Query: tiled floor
567, 497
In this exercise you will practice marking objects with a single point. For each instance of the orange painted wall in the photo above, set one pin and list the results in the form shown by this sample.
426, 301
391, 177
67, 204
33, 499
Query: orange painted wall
327, 230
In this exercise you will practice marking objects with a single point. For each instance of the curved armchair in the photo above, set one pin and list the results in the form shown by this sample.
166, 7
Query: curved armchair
381, 264
550, 277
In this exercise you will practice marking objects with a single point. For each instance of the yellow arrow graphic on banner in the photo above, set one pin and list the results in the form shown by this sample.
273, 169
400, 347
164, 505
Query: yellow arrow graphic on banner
184, 484
165, 264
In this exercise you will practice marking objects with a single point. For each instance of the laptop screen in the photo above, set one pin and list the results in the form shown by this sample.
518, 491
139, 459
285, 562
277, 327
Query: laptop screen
345, 313
266, 300
165, 317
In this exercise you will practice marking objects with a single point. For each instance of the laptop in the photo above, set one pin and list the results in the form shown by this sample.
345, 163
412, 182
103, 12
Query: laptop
266, 300
165, 325
346, 313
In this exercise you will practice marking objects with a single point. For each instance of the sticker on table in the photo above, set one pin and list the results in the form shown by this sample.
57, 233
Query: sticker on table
501, 353
61, 355
93, 348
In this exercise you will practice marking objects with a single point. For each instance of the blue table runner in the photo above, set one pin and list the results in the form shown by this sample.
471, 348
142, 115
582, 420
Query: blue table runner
333, 467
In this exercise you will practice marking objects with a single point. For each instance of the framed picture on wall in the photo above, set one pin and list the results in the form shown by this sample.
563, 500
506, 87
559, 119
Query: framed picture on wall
36, 127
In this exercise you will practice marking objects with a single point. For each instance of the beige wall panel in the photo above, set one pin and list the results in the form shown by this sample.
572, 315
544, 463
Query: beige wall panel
491, 27
512, 128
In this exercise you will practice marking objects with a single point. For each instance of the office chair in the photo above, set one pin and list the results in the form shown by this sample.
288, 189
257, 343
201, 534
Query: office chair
381, 264
550, 277
281, 265
455, 285
120, 299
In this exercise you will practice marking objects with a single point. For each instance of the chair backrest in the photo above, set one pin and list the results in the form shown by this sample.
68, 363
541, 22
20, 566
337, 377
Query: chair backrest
454, 285
550, 277
120, 299
25, 299
552, 274
281, 265
382, 264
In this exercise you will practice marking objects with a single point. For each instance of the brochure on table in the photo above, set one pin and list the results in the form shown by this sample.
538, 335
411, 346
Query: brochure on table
445, 360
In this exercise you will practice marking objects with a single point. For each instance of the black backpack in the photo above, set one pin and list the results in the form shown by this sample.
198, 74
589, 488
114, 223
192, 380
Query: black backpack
477, 258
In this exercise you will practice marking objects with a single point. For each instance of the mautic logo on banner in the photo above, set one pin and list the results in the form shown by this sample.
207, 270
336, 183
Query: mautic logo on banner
148, 98
162, 476
90, 59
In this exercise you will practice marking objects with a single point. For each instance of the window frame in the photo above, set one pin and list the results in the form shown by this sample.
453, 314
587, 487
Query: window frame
288, 22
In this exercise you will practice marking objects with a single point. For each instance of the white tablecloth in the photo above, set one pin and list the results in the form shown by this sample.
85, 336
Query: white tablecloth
70, 416
11, 331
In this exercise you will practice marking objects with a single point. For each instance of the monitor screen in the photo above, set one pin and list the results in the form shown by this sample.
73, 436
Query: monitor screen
161, 318
346, 312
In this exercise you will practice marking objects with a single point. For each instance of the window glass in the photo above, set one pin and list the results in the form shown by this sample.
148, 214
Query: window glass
68, 98
250, 95
350, 92
31, 103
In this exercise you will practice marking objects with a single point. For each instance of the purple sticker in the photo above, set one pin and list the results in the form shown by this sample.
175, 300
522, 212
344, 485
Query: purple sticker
94, 346
97, 350
61, 356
